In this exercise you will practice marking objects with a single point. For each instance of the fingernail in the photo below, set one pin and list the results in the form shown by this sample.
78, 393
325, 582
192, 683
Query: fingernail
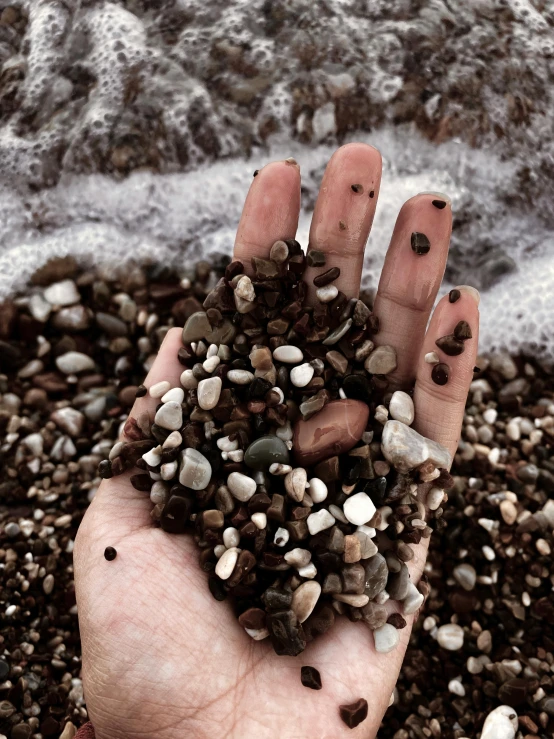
440, 200
473, 292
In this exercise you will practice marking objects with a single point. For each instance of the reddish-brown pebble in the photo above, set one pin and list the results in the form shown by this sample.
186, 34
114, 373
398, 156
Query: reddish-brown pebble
332, 431
354, 713
440, 373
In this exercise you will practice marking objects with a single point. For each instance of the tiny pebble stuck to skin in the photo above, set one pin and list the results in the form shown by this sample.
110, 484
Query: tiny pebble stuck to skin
110, 554
420, 243
354, 713
284, 512
310, 678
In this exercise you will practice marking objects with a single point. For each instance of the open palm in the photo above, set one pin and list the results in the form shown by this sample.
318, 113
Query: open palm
161, 657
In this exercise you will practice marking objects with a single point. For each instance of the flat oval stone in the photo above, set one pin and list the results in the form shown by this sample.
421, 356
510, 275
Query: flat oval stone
195, 470
332, 431
197, 327
265, 451
304, 599
381, 361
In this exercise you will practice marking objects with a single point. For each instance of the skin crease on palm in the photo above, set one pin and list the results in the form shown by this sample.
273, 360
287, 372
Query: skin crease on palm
161, 658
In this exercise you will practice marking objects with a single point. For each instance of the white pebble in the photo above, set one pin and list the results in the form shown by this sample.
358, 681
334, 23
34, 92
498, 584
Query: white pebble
241, 486
188, 380
169, 416
219, 550
513, 431
327, 293
337, 512
295, 483
288, 354
259, 520
435, 496
401, 407
450, 636
226, 563
318, 490
298, 557
226, 445
158, 493
39, 308
352, 599
367, 530
301, 375
413, 601
176, 394
169, 470
432, 358
276, 468
62, 293
153, 457
386, 638
285, 433
195, 471
305, 598
231, 537
309, 571
381, 414
456, 687
508, 511
281, 537
211, 363
173, 440
159, 389
490, 415
319, 521
501, 723
359, 509
240, 377
257, 634
279, 392
236, 456
72, 362
213, 350
209, 391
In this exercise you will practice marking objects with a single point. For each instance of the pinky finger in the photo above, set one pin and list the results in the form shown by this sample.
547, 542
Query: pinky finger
440, 405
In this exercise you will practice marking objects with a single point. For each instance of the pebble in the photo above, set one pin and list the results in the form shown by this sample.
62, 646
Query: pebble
231, 537
508, 511
304, 599
327, 293
110, 554
69, 420
435, 496
173, 441
265, 451
374, 615
239, 377
288, 354
309, 571
175, 395
450, 636
465, 575
48, 584
226, 563
301, 375
440, 373
279, 252
74, 362
432, 358
211, 363
359, 509
413, 600
340, 425
281, 537
420, 243
295, 483
456, 687
158, 493
319, 521
195, 470
241, 486
381, 361
353, 714
401, 407
188, 380
501, 723
386, 638
450, 345
376, 575
197, 327
39, 308
317, 489
357, 600
153, 457
62, 293
170, 416
404, 448
259, 520
310, 677
209, 391
336, 335
159, 389
298, 557
398, 583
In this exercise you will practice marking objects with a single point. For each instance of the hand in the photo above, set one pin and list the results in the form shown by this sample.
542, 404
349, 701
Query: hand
162, 658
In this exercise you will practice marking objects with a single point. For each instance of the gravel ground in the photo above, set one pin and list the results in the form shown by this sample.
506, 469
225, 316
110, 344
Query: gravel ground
486, 635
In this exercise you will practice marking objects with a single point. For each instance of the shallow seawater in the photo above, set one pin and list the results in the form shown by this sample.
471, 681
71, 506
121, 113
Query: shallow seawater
129, 131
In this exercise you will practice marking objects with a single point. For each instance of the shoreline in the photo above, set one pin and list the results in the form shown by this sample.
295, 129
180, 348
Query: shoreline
489, 569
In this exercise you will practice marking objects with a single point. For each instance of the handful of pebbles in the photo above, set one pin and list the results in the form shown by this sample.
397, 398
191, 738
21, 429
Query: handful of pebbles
300, 513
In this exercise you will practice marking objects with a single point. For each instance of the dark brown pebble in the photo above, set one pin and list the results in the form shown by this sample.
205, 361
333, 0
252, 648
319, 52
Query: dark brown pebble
454, 295
233, 269
450, 345
420, 243
357, 189
462, 331
286, 634
372, 193
141, 391
440, 204
253, 618
396, 620
176, 513
256, 171
217, 589
142, 482
315, 258
277, 600
439, 373
310, 677
105, 469
110, 554
354, 713
325, 278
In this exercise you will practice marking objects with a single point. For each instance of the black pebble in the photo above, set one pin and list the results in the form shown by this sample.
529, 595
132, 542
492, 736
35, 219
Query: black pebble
357, 387
110, 554
420, 243
256, 172
315, 258
217, 588
454, 295
357, 188
354, 713
310, 677
440, 204
105, 469
439, 373
141, 391
462, 331
372, 193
